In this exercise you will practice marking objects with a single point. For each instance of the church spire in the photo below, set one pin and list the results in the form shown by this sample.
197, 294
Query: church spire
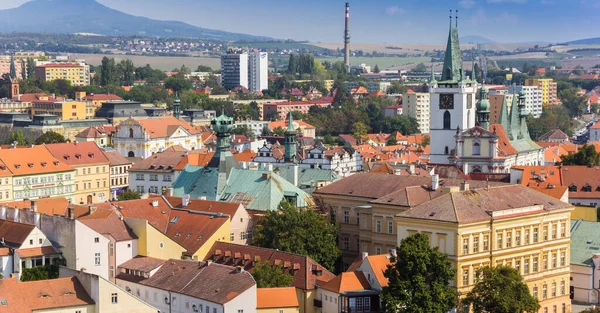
291, 145
483, 108
176, 106
13, 68
452, 70
513, 130
503, 118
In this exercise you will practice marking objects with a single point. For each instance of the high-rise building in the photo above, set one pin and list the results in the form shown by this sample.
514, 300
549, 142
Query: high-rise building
77, 73
234, 70
533, 98
548, 88
452, 102
417, 106
258, 70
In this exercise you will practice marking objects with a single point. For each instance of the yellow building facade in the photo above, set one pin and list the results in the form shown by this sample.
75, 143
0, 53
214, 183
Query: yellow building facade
152, 242
77, 74
548, 88
65, 110
533, 238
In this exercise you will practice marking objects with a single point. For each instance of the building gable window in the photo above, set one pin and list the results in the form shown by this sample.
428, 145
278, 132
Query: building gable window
476, 148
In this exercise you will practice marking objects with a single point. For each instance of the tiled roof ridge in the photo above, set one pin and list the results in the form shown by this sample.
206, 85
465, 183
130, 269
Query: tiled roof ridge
272, 251
454, 207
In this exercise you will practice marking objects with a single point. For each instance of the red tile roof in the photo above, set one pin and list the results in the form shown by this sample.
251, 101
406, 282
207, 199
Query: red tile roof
26, 297
144, 264
39, 251
284, 297
78, 153
50, 206
165, 126
165, 161
305, 276
14, 233
379, 265
108, 224
115, 158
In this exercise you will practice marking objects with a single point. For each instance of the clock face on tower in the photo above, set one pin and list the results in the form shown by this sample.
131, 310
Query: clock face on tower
446, 101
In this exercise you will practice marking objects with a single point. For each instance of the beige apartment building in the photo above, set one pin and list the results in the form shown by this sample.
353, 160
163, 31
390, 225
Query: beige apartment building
92, 174
417, 106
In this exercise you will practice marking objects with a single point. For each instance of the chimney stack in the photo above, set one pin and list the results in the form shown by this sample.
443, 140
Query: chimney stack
34, 206
71, 213
347, 38
185, 200
464, 186
364, 255
435, 181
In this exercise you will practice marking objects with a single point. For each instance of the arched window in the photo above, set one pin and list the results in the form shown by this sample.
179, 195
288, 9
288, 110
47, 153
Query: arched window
131, 133
476, 148
130, 154
446, 150
447, 120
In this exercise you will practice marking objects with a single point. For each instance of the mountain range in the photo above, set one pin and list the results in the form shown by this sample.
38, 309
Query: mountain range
587, 41
89, 16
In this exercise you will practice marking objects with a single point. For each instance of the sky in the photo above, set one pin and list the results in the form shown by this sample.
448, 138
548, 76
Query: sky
377, 21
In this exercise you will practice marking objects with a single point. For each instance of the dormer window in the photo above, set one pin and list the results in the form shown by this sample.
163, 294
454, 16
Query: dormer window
91, 155
43, 164
78, 156
18, 166
573, 187
587, 188
30, 165
56, 163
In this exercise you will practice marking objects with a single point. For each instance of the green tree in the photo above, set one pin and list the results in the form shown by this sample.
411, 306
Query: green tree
419, 279
126, 72
501, 290
426, 141
278, 131
34, 273
420, 68
360, 131
109, 74
128, 195
297, 115
50, 137
301, 231
266, 131
178, 84
391, 142
30, 69
586, 155
271, 276
243, 130
376, 69
17, 136
204, 68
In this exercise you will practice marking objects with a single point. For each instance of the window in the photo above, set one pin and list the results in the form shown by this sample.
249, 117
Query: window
231, 237
545, 233
475, 244
378, 226
562, 258
447, 120
564, 308
242, 311
346, 217
465, 277
518, 265
357, 218
31, 241
545, 262
562, 287
346, 243
535, 235
563, 228
131, 133
535, 292
544, 291
535, 264
97, 259
486, 244
139, 176
96, 239
517, 238
153, 177
499, 241
526, 266
390, 227
377, 251
114, 298
508, 239
554, 289
476, 148
243, 235
465, 246
553, 260
554, 230
526, 236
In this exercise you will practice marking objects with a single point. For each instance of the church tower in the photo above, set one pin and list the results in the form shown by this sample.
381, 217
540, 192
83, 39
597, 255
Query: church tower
290, 141
452, 102
14, 82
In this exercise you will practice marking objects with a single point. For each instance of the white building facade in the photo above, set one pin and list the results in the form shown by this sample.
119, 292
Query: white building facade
342, 162
417, 106
533, 98
258, 70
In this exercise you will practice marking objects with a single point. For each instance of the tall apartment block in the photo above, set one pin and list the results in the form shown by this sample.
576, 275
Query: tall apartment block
258, 70
234, 70
548, 88
417, 106
533, 98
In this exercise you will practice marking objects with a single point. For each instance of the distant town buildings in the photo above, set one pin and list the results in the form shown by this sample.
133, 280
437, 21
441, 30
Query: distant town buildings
417, 106
77, 73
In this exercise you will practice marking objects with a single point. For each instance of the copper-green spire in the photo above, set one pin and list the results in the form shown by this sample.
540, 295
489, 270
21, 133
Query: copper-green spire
483, 108
452, 70
290, 127
177, 106
291, 145
503, 119
513, 131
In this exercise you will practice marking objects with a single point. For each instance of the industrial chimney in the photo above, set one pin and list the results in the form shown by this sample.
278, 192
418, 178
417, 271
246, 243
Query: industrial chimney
347, 38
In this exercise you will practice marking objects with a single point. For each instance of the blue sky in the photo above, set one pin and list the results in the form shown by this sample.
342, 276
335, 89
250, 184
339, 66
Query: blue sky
377, 21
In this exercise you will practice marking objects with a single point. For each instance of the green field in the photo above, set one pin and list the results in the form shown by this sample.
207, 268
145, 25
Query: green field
162, 63
278, 45
382, 62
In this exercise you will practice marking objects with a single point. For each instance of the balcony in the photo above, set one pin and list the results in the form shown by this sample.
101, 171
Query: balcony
318, 303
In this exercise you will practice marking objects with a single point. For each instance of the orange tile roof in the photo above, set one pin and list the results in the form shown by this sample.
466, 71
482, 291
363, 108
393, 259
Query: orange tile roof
195, 159
4, 251
245, 156
379, 264
284, 124
108, 224
556, 192
165, 126
504, 145
102, 97
284, 297
347, 281
31, 252
14, 233
78, 153
36, 160
553, 154
229, 208
50, 206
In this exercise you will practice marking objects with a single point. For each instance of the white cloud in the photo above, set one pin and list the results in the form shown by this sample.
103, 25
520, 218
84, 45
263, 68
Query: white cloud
467, 4
394, 10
